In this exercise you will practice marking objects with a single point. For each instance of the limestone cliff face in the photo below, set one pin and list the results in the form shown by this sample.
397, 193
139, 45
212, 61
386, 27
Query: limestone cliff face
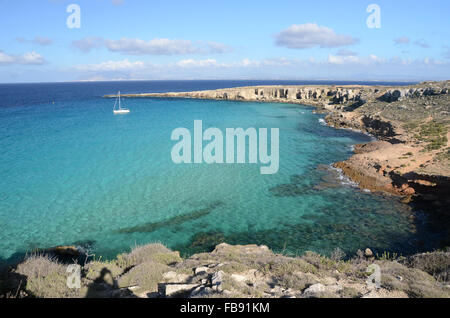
311, 95
330, 97
394, 95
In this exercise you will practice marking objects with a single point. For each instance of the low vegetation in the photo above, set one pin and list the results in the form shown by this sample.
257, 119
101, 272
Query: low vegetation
435, 134
243, 271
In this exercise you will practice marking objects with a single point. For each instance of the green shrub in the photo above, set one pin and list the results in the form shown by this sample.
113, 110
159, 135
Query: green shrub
414, 282
94, 271
148, 253
435, 263
146, 275
435, 134
348, 292
297, 281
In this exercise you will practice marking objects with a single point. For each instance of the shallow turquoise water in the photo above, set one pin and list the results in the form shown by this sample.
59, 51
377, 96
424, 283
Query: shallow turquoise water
73, 173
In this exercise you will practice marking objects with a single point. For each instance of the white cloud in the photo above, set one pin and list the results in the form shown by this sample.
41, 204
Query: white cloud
6, 59
152, 47
41, 40
29, 58
197, 63
402, 40
123, 65
332, 59
87, 44
265, 62
422, 43
164, 47
216, 47
312, 35
345, 52
405, 40
447, 52
375, 58
333, 67
351, 59
21, 39
242, 63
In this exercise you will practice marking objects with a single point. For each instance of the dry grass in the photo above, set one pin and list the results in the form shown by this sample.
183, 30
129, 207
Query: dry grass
146, 276
265, 273
155, 252
45, 278
436, 264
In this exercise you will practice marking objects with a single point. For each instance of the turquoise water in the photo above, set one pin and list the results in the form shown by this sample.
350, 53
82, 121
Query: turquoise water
73, 173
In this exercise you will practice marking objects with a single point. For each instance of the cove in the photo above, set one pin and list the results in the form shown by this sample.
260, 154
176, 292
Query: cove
73, 174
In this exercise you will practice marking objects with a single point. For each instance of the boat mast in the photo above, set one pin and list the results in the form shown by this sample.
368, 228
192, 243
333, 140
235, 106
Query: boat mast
119, 101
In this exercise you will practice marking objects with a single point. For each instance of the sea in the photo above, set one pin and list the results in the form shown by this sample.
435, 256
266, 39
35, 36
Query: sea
73, 173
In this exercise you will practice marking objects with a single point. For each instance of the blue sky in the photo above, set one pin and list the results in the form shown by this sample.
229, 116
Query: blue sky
175, 39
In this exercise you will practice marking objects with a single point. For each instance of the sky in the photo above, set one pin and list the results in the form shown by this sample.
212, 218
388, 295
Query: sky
41, 40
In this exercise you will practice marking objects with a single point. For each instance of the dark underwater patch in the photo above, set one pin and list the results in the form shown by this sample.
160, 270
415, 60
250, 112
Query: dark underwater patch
174, 221
287, 190
203, 242
320, 235
300, 184
278, 117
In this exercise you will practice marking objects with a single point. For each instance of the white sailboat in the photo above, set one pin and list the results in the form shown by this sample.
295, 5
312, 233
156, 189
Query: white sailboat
119, 110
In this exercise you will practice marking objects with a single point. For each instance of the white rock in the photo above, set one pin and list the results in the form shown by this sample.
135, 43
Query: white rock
201, 291
169, 275
217, 278
172, 277
201, 270
239, 278
314, 290
172, 289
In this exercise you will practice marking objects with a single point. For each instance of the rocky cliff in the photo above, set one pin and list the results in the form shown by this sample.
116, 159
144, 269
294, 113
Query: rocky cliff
324, 95
317, 95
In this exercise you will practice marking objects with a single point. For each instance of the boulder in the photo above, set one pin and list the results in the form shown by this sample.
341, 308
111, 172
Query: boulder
320, 290
201, 270
169, 290
217, 278
394, 95
173, 277
314, 290
250, 249
201, 291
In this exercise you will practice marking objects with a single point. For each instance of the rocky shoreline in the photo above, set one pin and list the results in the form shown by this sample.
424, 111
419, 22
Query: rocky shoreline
245, 271
410, 156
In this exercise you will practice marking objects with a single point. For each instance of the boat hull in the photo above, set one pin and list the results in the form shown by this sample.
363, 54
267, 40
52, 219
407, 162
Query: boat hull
121, 111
